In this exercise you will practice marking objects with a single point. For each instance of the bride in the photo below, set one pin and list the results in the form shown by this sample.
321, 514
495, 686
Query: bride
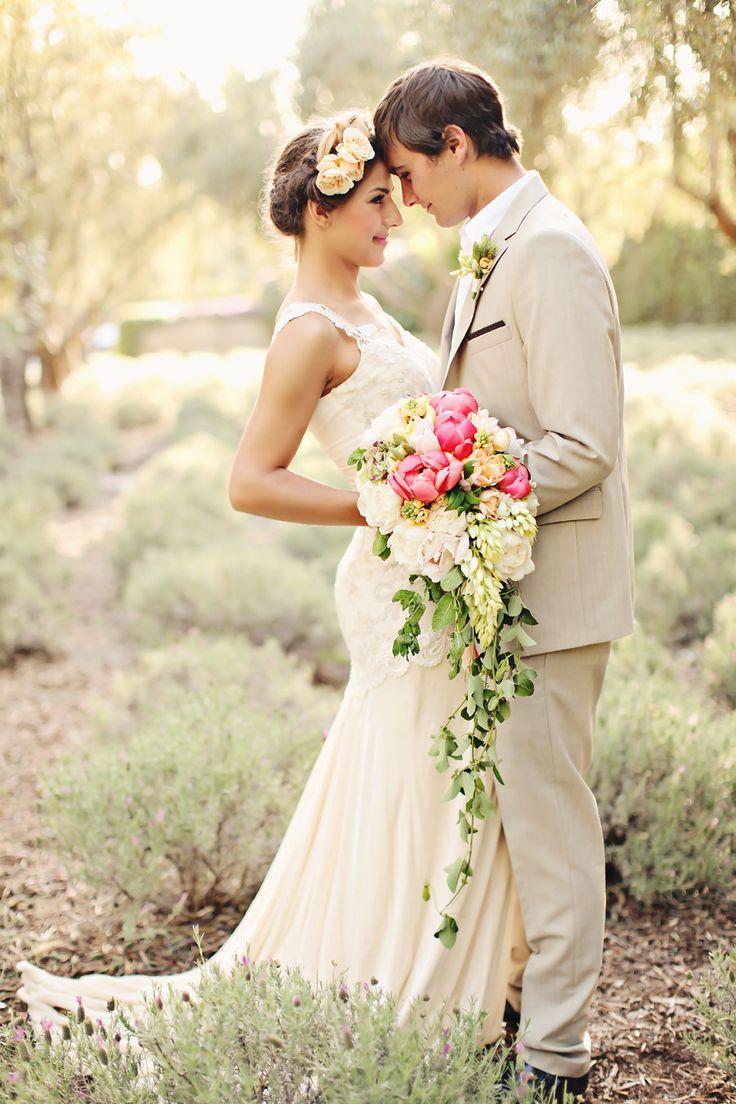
370, 828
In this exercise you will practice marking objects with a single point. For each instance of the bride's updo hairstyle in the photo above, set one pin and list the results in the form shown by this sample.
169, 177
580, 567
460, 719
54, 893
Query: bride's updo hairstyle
292, 177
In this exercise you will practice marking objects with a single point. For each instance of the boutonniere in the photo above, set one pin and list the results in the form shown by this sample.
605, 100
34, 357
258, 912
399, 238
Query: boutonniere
478, 264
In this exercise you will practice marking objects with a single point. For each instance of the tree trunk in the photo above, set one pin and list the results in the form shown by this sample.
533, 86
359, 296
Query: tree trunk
13, 383
55, 367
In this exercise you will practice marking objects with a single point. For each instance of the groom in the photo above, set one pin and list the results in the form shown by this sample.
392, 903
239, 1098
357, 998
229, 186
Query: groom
540, 346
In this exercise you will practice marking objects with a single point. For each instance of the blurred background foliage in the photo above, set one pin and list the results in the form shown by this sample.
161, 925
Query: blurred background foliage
118, 185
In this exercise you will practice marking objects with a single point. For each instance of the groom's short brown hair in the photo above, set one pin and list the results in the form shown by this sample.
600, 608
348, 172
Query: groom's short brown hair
419, 104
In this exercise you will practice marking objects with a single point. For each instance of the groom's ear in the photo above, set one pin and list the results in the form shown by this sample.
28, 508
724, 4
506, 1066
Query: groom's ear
457, 143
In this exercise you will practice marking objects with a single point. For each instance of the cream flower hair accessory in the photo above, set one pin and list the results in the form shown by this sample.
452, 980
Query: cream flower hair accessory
338, 172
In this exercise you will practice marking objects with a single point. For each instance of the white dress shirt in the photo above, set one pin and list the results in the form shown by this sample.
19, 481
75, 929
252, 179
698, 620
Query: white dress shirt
483, 222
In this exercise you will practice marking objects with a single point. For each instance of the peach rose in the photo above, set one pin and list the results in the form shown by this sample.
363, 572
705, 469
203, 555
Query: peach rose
488, 469
490, 500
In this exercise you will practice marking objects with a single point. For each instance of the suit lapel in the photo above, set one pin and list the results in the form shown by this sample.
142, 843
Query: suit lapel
447, 326
470, 306
453, 336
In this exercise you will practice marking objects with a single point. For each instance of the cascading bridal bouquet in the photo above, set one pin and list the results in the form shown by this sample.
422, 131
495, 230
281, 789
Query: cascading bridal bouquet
445, 487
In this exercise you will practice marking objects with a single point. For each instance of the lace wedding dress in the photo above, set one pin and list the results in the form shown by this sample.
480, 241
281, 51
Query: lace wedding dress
345, 885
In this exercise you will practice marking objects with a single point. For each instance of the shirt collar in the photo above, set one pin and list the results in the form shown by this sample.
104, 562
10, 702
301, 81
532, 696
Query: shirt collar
487, 218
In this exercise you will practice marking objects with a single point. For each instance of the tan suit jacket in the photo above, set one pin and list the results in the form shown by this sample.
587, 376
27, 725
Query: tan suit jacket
540, 347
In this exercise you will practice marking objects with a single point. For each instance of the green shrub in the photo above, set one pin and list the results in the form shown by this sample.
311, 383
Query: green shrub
178, 500
716, 1003
681, 578
233, 586
191, 792
719, 651
68, 455
685, 462
212, 409
319, 545
202, 663
140, 403
664, 774
676, 273
650, 344
262, 1032
31, 617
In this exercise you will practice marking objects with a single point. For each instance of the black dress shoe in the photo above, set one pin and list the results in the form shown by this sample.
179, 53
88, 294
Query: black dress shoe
562, 1087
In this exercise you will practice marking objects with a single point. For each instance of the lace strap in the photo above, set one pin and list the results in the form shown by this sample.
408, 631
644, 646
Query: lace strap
297, 310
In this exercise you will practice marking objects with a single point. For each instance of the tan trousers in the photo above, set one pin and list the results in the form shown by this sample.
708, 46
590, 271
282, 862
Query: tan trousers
555, 841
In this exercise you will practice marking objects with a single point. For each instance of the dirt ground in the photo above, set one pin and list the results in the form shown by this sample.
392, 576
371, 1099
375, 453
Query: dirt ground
644, 999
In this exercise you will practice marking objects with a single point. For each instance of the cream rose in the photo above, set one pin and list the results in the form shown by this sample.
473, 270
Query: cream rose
482, 420
421, 436
379, 505
490, 501
334, 182
487, 469
405, 543
336, 175
356, 142
516, 557
446, 544
384, 425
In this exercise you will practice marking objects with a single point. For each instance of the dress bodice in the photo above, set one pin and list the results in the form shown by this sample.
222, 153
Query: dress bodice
386, 371
364, 584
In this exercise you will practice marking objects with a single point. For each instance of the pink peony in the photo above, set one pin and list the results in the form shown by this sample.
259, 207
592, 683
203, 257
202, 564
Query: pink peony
515, 482
461, 401
425, 475
455, 434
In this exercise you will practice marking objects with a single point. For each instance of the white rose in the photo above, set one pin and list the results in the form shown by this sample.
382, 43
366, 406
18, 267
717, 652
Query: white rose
503, 438
384, 425
441, 551
405, 543
516, 557
481, 419
421, 435
379, 505
442, 520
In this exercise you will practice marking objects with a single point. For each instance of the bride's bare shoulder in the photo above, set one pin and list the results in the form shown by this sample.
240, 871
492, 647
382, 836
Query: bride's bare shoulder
302, 351
309, 329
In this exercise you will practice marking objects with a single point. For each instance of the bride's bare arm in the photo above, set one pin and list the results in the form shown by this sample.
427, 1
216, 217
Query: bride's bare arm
297, 367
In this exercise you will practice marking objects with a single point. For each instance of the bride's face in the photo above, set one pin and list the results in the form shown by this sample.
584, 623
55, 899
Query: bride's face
436, 185
359, 228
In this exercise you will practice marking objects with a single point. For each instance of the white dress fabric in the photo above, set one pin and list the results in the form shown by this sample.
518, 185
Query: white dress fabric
345, 885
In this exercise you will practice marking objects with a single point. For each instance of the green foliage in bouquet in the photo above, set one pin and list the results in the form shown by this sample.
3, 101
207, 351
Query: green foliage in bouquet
261, 1032
496, 675
192, 778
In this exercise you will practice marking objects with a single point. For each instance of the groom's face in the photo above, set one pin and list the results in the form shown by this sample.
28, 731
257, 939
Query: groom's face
436, 185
